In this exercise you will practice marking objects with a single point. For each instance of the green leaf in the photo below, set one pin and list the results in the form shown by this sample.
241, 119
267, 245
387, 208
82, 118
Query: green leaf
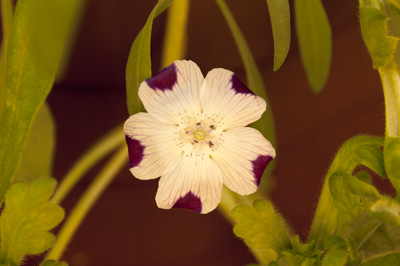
254, 79
374, 31
360, 150
305, 249
279, 13
392, 159
260, 226
352, 198
54, 263
335, 257
26, 220
36, 41
384, 260
314, 34
385, 238
138, 67
37, 157
6, 22
387, 210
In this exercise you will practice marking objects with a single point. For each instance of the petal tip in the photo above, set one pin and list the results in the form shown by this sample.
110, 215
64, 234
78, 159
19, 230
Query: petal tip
189, 201
239, 87
259, 166
164, 80
135, 150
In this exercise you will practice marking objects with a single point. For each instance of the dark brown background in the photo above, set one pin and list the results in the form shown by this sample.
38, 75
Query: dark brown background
126, 227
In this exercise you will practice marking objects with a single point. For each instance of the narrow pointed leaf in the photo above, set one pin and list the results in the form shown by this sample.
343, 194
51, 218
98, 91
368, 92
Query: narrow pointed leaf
138, 67
39, 30
314, 34
279, 13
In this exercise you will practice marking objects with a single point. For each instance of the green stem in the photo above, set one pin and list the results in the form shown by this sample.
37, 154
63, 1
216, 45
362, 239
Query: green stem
174, 47
87, 201
98, 151
391, 88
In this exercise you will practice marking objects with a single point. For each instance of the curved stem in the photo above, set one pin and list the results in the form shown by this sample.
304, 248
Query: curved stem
98, 151
87, 201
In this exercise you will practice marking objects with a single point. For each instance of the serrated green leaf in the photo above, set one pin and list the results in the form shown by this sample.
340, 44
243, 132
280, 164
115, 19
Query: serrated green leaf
279, 13
384, 260
39, 30
392, 159
37, 157
387, 210
26, 220
360, 150
260, 226
374, 31
138, 67
254, 79
54, 263
314, 34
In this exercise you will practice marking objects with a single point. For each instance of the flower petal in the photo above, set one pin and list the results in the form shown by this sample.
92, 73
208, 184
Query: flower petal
195, 184
152, 145
227, 100
242, 157
173, 94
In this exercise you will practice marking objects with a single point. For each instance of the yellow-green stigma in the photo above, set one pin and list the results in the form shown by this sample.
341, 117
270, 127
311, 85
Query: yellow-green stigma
199, 135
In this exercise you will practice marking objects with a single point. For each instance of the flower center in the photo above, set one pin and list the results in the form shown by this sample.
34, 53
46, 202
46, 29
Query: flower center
199, 135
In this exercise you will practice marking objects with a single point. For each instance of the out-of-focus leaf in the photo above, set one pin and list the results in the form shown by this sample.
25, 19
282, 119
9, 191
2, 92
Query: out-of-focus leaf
387, 210
392, 160
374, 31
266, 123
279, 13
138, 67
384, 260
26, 220
54, 263
314, 34
361, 150
37, 157
174, 47
6, 22
39, 30
260, 226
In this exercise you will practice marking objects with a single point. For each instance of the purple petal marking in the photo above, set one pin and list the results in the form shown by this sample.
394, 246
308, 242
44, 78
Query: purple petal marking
189, 201
135, 150
259, 165
164, 80
239, 87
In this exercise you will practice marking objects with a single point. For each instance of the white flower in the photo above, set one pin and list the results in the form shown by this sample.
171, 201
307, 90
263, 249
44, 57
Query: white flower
194, 137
